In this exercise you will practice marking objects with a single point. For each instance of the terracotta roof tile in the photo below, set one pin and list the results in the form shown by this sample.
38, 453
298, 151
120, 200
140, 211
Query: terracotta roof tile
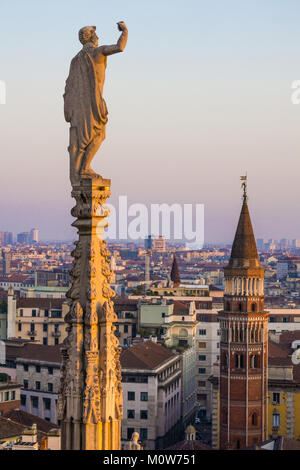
27, 420
146, 355
25, 302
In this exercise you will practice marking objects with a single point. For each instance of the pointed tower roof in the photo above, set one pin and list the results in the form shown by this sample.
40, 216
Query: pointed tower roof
175, 277
244, 252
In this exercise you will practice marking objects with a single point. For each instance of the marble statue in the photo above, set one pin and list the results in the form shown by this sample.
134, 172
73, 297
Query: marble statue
133, 444
84, 105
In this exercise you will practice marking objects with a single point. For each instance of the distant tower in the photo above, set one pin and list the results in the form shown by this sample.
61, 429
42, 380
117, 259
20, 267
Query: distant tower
244, 342
6, 259
34, 235
11, 313
175, 277
147, 267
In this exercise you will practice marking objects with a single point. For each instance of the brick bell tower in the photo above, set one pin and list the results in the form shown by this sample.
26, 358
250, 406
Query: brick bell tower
244, 342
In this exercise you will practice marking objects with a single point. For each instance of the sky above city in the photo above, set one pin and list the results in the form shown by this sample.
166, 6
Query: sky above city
201, 94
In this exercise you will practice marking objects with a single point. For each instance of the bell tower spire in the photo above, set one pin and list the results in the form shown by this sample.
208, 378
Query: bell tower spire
244, 341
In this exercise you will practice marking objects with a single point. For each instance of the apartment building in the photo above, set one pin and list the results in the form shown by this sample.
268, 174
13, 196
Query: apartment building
151, 381
9, 393
174, 323
36, 368
207, 353
126, 325
37, 319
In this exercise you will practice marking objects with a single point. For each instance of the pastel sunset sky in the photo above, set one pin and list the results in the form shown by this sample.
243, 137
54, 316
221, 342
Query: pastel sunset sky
201, 94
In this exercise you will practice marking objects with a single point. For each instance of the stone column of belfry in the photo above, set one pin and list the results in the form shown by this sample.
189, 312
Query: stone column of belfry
90, 399
244, 344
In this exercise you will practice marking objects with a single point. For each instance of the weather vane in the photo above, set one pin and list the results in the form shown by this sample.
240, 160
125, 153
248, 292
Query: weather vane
244, 185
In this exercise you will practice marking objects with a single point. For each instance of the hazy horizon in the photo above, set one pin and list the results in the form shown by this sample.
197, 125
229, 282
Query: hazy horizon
201, 94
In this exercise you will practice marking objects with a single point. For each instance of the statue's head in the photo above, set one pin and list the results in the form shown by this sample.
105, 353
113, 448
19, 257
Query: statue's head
87, 34
135, 437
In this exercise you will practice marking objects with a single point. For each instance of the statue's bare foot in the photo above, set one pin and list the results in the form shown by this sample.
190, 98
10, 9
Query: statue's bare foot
89, 173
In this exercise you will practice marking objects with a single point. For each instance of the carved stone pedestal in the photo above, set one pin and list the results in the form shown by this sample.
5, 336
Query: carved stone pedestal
90, 399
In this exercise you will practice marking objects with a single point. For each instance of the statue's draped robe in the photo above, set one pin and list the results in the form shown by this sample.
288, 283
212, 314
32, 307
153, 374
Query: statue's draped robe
84, 106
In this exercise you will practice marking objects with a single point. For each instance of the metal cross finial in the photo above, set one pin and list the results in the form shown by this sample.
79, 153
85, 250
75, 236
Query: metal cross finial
244, 185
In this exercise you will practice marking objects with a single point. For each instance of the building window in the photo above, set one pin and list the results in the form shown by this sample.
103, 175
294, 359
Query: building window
21, 312
45, 341
23, 400
45, 327
239, 361
25, 367
130, 414
276, 398
254, 419
131, 396
201, 345
35, 402
50, 370
55, 341
38, 369
218, 345
46, 313
47, 403
254, 362
13, 395
144, 396
6, 396
253, 307
202, 357
32, 327
25, 384
201, 383
50, 387
131, 379
19, 326
202, 332
38, 385
130, 431
144, 414
56, 314
286, 319
144, 433
34, 313
202, 370
125, 328
275, 419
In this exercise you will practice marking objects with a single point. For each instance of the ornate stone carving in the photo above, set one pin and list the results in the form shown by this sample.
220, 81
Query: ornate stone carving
90, 392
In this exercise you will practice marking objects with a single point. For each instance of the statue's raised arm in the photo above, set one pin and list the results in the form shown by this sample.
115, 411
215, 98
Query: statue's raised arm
121, 44
84, 105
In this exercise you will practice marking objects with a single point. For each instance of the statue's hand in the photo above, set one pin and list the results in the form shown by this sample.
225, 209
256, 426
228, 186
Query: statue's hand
122, 26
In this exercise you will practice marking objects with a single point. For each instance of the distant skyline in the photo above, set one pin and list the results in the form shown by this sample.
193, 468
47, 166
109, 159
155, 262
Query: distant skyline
201, 95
